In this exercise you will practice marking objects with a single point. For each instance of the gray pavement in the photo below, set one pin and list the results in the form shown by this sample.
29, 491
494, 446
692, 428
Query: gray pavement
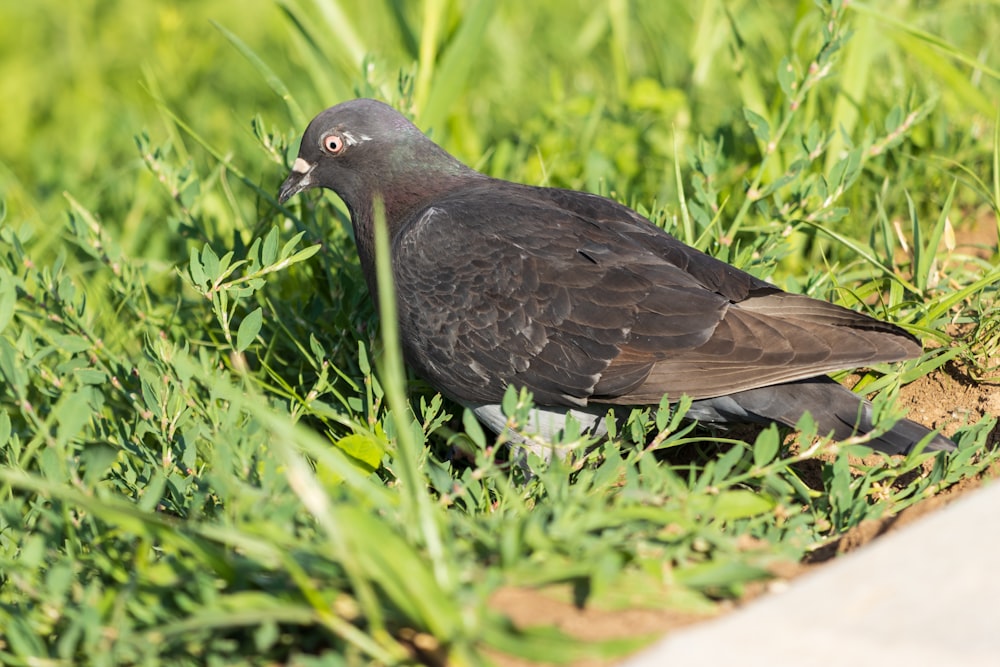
927, 594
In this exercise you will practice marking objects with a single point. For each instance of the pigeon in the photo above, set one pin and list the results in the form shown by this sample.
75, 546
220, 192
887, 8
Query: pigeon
581, 300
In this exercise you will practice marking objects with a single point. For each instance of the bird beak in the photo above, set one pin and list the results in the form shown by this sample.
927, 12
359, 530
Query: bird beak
298, 180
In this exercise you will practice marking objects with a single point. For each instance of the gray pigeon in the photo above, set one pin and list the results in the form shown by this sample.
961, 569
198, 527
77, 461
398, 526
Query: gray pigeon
580, 299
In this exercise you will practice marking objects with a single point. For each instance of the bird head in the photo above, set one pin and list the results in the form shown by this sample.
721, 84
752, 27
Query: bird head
364, 148
340, 144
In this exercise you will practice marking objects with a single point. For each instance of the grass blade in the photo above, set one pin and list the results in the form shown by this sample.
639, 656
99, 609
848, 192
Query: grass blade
274, 82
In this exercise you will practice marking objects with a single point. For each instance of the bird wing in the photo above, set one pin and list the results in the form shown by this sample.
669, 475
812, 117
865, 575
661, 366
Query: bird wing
580, 299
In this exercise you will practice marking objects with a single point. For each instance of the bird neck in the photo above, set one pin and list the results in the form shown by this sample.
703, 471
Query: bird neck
403, 195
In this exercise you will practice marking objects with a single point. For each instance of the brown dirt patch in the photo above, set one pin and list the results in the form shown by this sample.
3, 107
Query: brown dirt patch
978, 239
950, 399
528, 607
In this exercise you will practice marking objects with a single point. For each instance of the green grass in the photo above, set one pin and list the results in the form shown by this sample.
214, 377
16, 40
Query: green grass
211, 453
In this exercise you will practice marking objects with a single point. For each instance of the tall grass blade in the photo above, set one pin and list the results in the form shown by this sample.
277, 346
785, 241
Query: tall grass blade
274, 82
444, 80
417, 502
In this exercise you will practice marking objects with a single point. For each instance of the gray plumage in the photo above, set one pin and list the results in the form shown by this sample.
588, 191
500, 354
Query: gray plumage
579, 298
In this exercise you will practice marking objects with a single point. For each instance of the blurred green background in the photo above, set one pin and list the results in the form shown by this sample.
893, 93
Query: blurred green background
80, 79
585, 94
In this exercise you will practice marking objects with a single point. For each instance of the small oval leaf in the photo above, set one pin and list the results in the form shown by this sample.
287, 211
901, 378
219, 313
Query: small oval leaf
249, 328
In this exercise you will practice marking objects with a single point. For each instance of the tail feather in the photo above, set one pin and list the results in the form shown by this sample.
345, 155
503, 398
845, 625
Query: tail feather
834, 408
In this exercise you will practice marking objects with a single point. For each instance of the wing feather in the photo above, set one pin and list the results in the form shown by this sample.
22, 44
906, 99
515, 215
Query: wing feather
580, 299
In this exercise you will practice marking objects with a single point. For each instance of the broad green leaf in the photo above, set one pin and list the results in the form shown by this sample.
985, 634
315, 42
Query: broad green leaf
741, 504
364, 448
249, 328
787, 78
766, 447
8, 296
758, 124
269, 251
473, 429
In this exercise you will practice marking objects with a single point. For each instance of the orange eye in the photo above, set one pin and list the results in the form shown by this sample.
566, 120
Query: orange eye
333, 143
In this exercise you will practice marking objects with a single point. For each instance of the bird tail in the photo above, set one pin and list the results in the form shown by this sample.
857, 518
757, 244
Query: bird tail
833, 407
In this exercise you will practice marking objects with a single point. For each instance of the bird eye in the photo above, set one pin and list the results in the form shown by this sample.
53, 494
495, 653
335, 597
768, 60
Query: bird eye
333, 143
